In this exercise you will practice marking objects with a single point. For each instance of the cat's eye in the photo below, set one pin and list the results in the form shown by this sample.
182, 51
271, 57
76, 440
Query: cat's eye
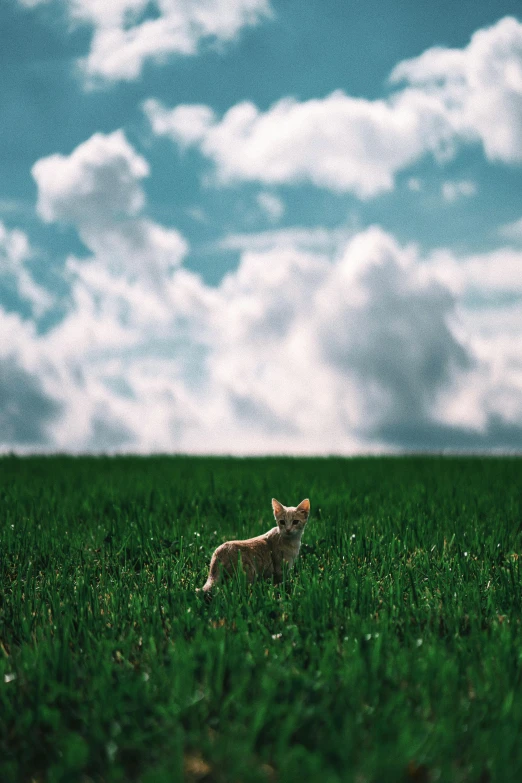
295, 522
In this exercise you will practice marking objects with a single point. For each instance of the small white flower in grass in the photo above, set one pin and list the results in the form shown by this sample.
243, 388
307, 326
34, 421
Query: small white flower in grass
276, 635
419, 642
465, 554
111, 749
368, 637
9, 677
146, 676
352, 536
115, 728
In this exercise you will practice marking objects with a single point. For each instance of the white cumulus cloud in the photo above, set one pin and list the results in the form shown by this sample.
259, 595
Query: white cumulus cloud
441, 100
128, 33
479, 87
95, 184
97, 189
339, 142
15, 252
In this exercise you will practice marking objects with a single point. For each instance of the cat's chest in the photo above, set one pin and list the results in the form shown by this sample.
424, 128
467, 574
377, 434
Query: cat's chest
289, 554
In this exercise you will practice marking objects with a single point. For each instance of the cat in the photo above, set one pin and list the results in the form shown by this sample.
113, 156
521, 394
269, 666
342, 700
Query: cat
262, 556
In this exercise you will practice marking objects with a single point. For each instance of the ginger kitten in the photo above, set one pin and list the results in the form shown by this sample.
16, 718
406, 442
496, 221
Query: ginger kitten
262, 556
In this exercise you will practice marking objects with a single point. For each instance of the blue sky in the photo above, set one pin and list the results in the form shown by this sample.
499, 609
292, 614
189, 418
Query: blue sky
258, 227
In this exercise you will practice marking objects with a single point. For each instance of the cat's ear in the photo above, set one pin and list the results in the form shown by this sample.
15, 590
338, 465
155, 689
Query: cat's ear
304, 508
278, 507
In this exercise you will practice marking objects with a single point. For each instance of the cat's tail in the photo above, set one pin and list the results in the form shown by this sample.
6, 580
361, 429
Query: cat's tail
212, 580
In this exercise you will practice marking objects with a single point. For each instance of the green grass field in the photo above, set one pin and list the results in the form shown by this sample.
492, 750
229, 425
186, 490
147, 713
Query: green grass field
393, 653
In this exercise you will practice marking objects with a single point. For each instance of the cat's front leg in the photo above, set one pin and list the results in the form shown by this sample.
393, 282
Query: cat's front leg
277, 568
281, 570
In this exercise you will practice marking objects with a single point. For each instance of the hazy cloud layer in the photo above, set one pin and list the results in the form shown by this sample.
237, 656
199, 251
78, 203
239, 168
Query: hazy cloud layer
28, 409
295, 351
315, 343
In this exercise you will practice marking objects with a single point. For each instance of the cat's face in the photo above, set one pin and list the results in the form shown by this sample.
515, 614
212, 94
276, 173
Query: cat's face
291, 520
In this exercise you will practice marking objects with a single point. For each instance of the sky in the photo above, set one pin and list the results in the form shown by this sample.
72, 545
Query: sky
260, 226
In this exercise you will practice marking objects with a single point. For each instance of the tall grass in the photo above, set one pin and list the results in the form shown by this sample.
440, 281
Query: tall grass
392, 653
